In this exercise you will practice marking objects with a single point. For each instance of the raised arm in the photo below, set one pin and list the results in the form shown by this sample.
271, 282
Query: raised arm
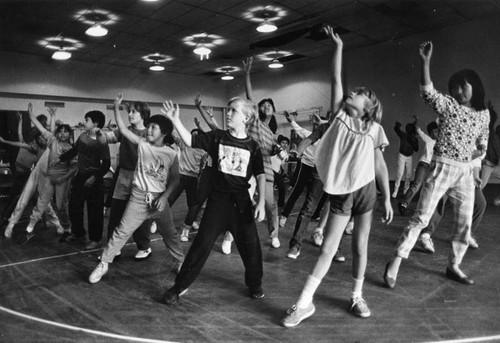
16, 144
19, 126
425, 52
35, 121
247, 66
207, 115
52, 122
172, 113
337, 93
121, 124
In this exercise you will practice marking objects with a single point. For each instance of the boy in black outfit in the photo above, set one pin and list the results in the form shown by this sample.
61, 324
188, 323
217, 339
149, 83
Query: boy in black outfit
93, 164
229, 207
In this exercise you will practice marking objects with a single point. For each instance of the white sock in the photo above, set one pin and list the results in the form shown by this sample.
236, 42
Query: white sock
305, 298
357, 287
30, 229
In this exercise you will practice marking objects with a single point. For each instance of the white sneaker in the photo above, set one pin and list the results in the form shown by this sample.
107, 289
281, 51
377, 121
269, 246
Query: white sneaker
275, 242
226, 247
282, 221
473, 243
185, 234
59, 230
395, 194
153, 227
143, 254
426, 243
496, 202
317, 238
98, 273
195, 226
295, 315
349, 228
8, 231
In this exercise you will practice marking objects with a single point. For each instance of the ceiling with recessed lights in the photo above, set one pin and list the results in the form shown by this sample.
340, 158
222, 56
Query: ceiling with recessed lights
165, 32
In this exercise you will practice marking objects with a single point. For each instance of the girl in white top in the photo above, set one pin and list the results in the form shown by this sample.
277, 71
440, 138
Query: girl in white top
349, 159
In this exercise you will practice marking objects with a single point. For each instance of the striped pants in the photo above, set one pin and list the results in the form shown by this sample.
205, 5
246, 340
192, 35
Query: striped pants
458, 184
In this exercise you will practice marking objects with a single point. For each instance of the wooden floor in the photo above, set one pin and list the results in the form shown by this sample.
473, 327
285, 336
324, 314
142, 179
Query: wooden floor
45, 295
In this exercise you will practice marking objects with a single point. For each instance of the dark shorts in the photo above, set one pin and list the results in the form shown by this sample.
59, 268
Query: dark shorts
358, 202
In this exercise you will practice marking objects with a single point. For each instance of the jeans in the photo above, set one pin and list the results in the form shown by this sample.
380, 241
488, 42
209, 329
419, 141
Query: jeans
60, 192
136, 212
418, 180
190, 185
225, 211
121, 194
303, 178
313, 196
94, 198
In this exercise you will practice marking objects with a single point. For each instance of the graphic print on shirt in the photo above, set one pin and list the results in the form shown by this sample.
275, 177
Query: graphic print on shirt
233, 161
156, 171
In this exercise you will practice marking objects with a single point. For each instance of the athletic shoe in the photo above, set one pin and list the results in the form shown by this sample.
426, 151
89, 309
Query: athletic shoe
185, 233
496, 202
98, 273
295, 315
8, 231
259, 294
473, 243
317, 238
293, 252
226, 247
349, 228
425, 242
360, 308
92, 245
171, 296
402, 209
339, 257
153, 227
143, 254
282, 221
275, 242
195, 226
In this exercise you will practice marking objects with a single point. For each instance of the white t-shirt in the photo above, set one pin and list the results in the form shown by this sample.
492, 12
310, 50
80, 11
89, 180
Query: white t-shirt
153, 166
345, 157
428, 146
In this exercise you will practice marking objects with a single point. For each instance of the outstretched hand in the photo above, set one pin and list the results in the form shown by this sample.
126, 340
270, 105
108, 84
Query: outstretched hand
425, 50
247, 64
171, 111
52, 111
197, 99
335, 38
118, 100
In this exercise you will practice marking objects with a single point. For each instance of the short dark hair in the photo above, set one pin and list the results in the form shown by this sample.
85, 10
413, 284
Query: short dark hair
432, 126
66, 127
166, 127
42, 118
282, 138
471, 77
97, 117
140, 107
410, 129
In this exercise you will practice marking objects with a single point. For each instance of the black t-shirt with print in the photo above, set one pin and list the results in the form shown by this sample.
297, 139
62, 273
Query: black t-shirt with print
235, 160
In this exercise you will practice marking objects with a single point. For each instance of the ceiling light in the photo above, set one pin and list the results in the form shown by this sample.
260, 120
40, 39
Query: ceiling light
157, 67
97, 30
227, 76
202, 50
61, 55
266, 26
275, 64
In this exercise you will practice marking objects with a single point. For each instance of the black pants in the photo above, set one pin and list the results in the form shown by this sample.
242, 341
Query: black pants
18, 181
225, 212
304, 176
94, 198
189, 184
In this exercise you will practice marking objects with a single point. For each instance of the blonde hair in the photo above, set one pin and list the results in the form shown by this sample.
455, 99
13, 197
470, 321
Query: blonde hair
248, 108
373, 107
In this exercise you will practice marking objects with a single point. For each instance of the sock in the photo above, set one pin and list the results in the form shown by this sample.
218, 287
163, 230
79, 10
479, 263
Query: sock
305, 298
357, 287
30, 229
426, 235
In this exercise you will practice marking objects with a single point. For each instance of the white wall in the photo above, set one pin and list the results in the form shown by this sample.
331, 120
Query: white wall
392, 70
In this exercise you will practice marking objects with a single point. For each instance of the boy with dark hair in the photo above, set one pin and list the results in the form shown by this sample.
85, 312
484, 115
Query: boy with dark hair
93, 164
229, 206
